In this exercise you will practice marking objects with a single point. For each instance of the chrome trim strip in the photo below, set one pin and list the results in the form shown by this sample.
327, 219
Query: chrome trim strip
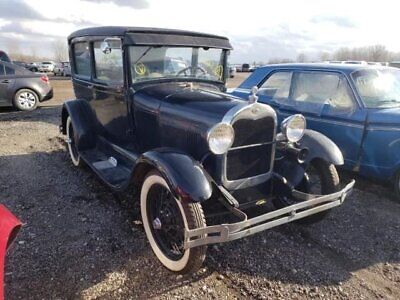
229, 232
248, 146
229, 118
382, 128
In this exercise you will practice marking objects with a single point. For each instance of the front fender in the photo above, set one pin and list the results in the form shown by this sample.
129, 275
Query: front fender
320, 146
186, 177
83, 120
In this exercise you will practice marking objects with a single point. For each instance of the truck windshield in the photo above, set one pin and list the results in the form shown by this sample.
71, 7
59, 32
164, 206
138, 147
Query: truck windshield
149, 63
378, 87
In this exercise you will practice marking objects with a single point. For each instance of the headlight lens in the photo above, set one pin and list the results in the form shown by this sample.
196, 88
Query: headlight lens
293, 127
220, 138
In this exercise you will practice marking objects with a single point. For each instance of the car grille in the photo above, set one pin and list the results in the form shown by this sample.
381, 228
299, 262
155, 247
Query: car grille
251, 152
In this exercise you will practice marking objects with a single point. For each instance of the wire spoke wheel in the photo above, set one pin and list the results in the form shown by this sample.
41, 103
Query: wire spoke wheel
165, 220
71, 144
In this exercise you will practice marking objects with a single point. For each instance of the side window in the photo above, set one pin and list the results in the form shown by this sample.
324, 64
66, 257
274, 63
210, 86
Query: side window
277, 86
2, 70
82, 59
9, 71
108, 65
312, 90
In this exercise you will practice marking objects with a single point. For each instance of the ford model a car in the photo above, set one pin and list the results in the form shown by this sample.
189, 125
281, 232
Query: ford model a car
151, 112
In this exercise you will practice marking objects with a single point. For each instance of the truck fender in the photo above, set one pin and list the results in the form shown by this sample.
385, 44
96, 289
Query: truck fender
83, 120
320, 146
187, 179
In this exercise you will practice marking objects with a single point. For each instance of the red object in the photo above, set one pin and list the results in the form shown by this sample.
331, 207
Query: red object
45, 79
9, 227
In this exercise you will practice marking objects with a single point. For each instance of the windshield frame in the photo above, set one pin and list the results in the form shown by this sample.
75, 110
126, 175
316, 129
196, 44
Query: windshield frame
365, 104
220, 83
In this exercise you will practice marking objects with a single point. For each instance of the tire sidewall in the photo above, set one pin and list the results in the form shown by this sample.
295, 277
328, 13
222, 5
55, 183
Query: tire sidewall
173, 265
75, 160
18, 105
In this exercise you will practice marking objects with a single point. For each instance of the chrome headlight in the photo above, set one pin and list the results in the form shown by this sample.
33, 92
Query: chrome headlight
220, 138
293, 127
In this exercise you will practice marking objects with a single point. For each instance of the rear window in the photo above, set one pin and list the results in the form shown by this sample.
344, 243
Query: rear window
82, 59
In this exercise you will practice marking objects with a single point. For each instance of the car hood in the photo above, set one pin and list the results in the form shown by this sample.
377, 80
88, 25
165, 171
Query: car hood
211, 103
186, 113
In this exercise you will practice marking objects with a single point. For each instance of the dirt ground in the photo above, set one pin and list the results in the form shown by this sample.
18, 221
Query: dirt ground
81, 241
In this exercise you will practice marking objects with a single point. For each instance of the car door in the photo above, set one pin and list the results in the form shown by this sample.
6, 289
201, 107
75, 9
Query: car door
109, 101
328, 103
7, 80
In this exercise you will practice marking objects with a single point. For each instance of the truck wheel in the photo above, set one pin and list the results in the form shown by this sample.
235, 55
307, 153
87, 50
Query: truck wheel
320, 178
26, 100
71, 144
164, 219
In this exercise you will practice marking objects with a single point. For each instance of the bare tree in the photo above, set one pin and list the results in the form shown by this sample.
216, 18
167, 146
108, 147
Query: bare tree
301, 58
324, 56
60, 50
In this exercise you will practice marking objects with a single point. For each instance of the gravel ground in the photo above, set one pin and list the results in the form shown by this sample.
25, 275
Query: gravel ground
81, 241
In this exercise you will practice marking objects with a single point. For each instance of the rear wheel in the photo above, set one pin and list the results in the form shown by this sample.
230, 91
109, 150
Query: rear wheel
71, 144
164, 220
320, 178
26, 100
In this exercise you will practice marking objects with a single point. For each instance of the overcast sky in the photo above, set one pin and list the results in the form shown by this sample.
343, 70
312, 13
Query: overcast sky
259, 30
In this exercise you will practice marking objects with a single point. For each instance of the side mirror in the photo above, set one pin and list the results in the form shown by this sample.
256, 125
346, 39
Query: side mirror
110, 43
105, 47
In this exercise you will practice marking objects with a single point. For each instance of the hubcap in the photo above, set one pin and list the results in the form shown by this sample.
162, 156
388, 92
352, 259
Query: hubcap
157, 224
26, 100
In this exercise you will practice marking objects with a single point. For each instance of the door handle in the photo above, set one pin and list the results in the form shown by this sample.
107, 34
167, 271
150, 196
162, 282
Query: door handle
91, 86
5, 81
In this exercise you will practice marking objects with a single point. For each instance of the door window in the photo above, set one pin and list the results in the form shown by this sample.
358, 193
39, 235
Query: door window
2, 70
312, 91
277, 86
108, 65
9, 70
82, 59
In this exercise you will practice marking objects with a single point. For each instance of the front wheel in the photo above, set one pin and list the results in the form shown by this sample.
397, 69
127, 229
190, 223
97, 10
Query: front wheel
320, 178
164, 220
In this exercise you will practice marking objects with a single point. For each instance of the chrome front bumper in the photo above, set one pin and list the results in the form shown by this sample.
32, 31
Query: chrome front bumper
312, 204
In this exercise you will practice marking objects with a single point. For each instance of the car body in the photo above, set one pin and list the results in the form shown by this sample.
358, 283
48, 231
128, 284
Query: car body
66, 69
4, 56
232, 71
47, 66
9, 228
22, 88
62, 69
367, 133
245, 68
189, 149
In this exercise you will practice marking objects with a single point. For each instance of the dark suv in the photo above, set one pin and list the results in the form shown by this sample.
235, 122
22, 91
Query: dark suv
201, 160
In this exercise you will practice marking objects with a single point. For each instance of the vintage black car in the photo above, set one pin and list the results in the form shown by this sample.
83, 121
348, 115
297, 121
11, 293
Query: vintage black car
151, 113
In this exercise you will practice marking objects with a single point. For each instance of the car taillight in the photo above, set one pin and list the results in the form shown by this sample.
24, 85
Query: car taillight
45, 79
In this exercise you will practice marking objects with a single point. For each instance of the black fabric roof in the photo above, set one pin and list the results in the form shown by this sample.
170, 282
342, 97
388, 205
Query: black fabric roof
156, 36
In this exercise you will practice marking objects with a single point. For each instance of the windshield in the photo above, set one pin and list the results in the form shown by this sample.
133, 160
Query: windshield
149, 63
378, 87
